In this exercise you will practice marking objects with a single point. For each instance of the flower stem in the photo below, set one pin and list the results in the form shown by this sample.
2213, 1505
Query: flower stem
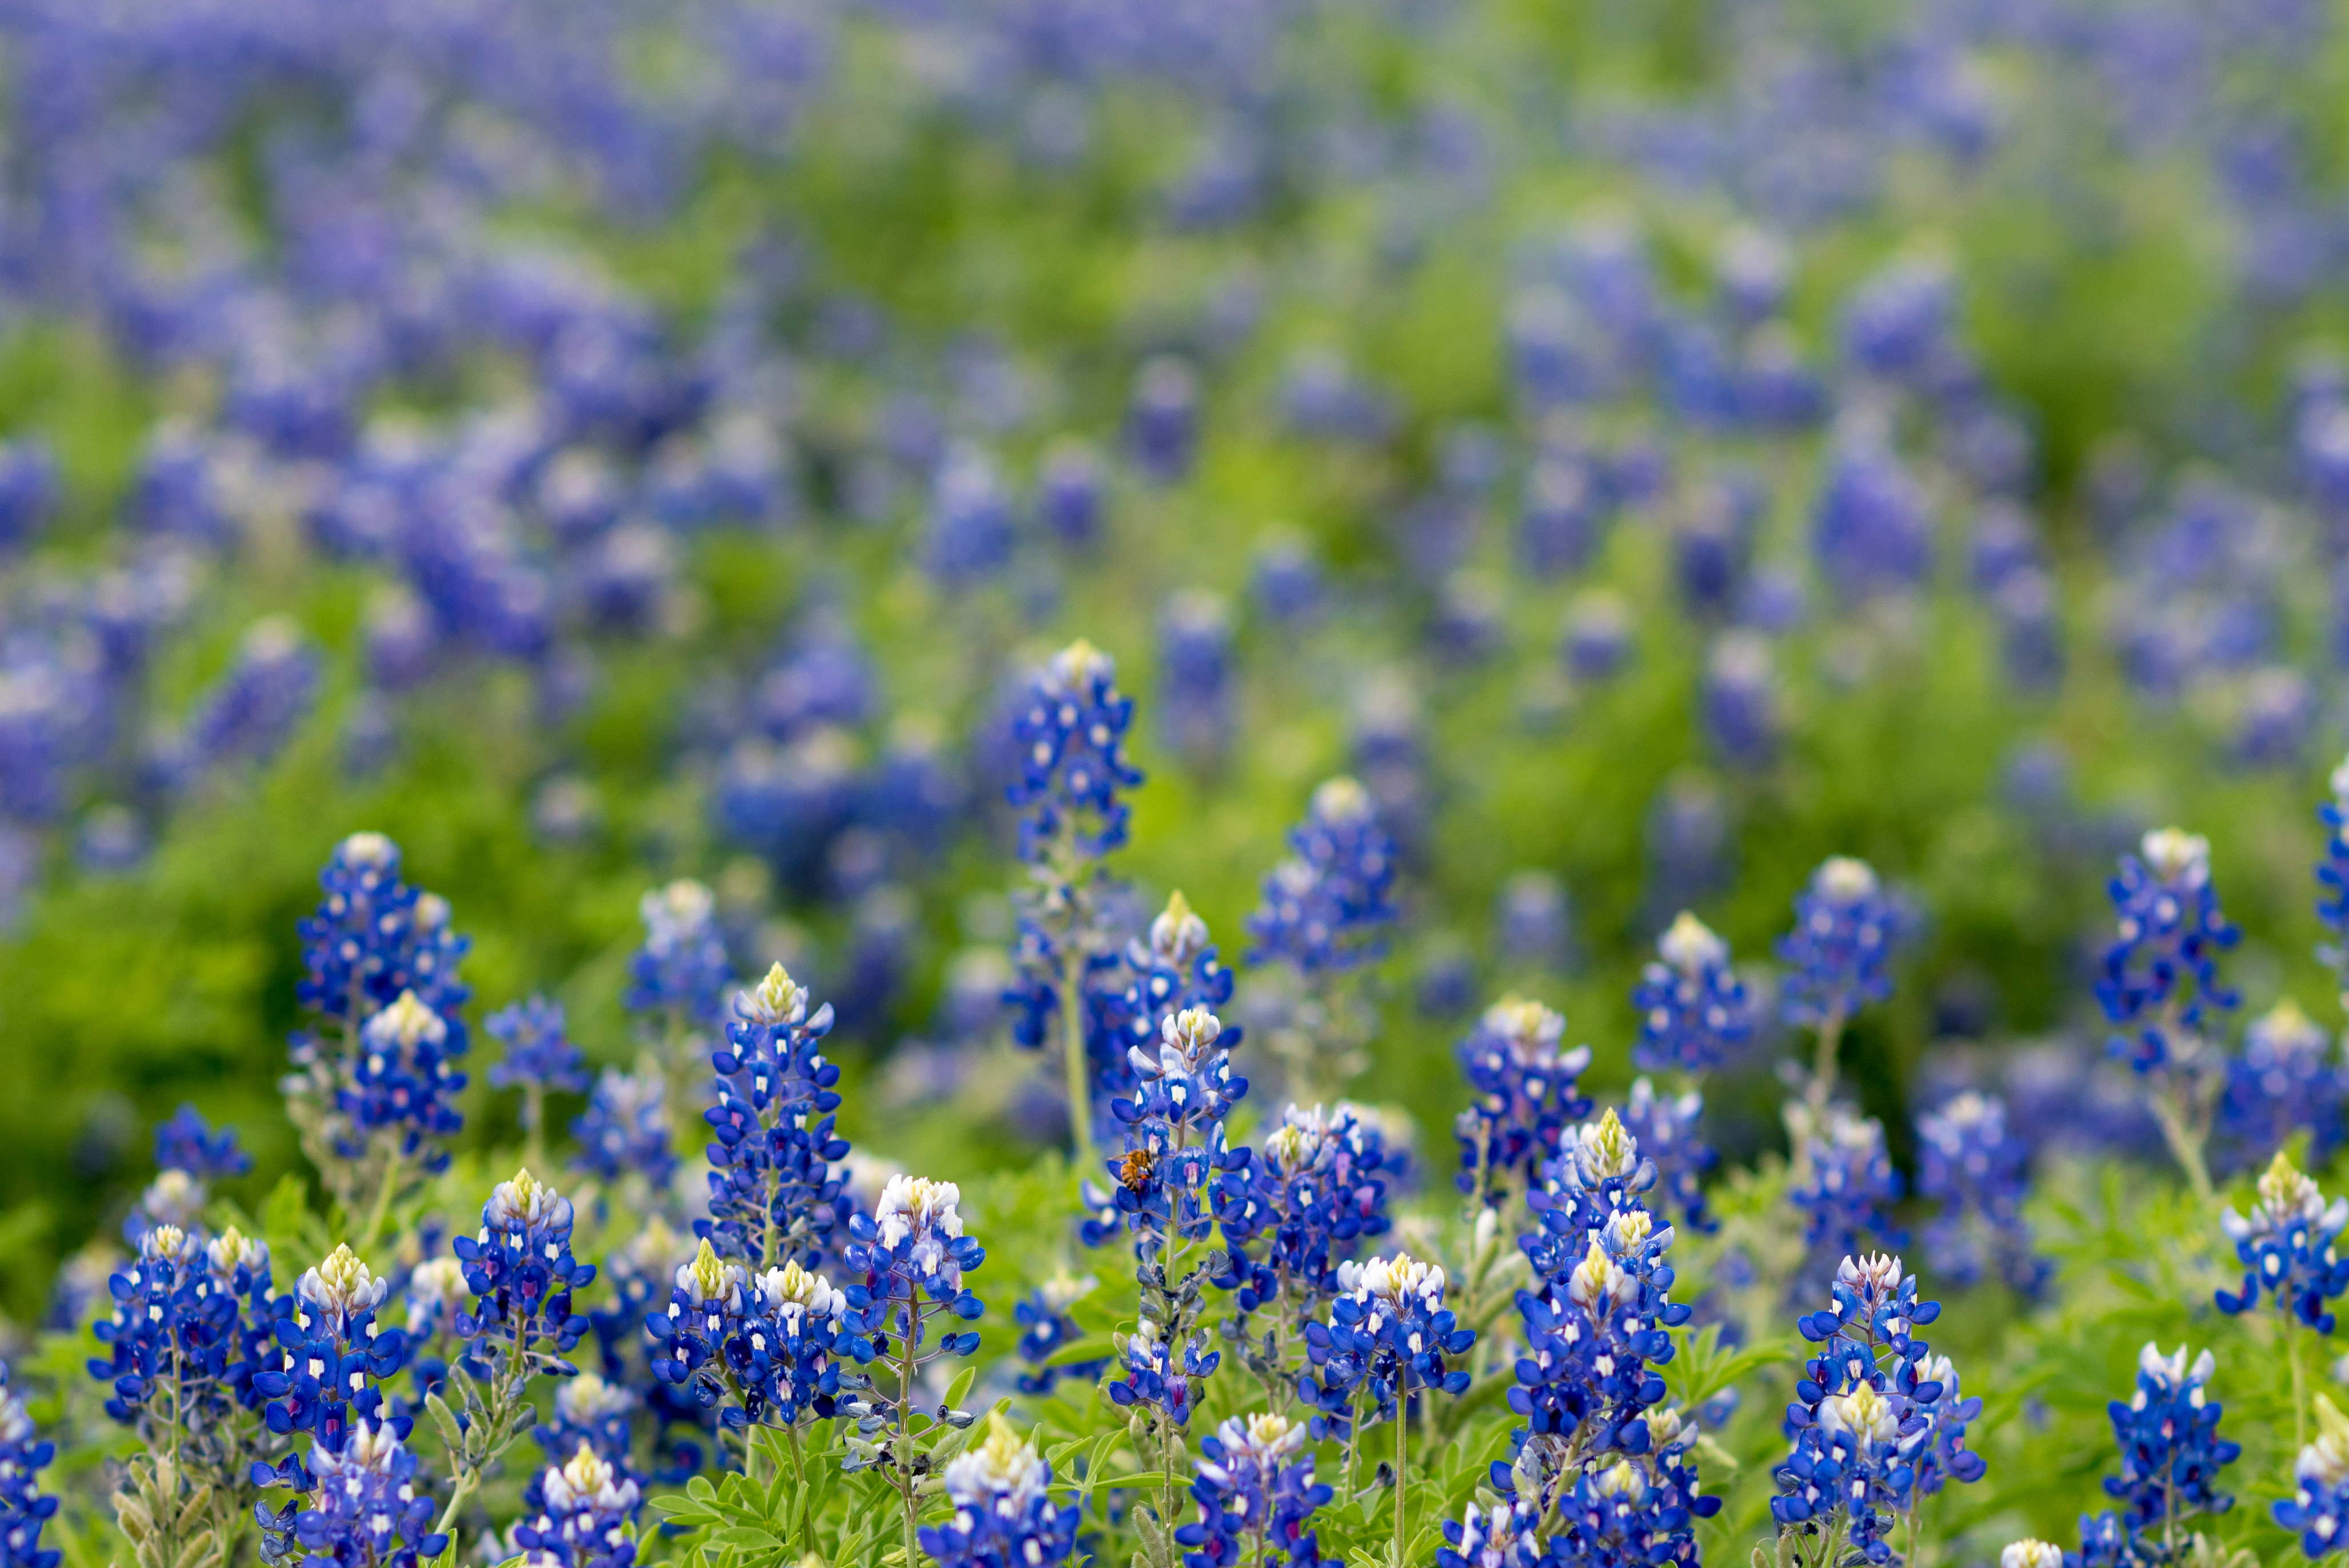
1072, 1042
382, 1213
1402, 1465
2183, 1142
2298, 1381
1823, 1069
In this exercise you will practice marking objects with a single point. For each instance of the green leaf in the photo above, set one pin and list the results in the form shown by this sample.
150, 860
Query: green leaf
959, 1389
749, 1537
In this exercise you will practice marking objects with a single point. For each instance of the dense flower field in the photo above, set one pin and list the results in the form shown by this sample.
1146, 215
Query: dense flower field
1213, 782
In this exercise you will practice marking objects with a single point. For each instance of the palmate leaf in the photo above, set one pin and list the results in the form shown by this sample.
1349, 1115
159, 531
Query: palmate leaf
1704, 1367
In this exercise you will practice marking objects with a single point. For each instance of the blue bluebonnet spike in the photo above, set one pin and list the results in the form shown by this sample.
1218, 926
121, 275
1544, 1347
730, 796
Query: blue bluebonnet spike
1845, 931
24, 1454
2160, 981
1978, 1171
186, 1142
1070, 737
625, 1128
2287, 1247
1329, 905
2318, 1508
2284, 1082
1257, 1496
1524, 1097
369, 1511
578, 1513
2171, 1455
538, 1049
682, 967
1693, 1011
1003, 1509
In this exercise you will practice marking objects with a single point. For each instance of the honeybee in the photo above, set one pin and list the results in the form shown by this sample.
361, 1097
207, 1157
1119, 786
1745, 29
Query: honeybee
1133, 1174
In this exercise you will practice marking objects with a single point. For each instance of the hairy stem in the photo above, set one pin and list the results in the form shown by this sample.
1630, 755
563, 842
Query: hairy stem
1072, 1045
2298, 1380
382, 1213
1401, 1463
1823, 1069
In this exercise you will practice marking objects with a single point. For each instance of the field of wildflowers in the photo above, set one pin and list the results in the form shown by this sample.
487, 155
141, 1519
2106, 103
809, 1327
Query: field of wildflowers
1174, 783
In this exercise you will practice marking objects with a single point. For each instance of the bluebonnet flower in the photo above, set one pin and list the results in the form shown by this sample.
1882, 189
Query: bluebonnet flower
1739, 699
773, 1188
1665, 1127
1976, 1170
1195, 674
2286, 1245
24, 1454
625, 1128
785, 1357
2285, 1080
1389, 1336
913, 1256
1328, 905
173, 1198
2333, 874
709, 1303
1071, 486
520, 1271
1524, 1097
2171, 1455
1177, 1172
1317, 1189
1634, 1510
186, 1142
250, 711
970, 519
1004, 1516
592, 1413
171, 1337
1873, 1428
2318, 1508
1873, 531
1598, 1315
1693, 1011
682, 969
1845, 929
1046, 1329
1157, 1375
402, 1083
2034, 1554
1162, 424
1257, 1497
578, 1513
2160, 989
1503, 1534
2160, 981
375, 937
331, 1355
1071, 737
538, 1049
366, 1510
1847, 1186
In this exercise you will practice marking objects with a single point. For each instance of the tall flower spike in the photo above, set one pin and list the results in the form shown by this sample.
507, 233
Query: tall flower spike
1976, 1170
2171, 1455
1003, 1509
776, 1189
625, 1129
2332, 875
186, 1142
1328, 905
1257, 1496
682, 968
520, 1269
2160, 989
2285, 1080
1877, 1420
369, 1512
1845, 931
1848, 1189
1693, 1011
577, 1513
2318, 1508
1177, 1172
1316, 1192
2160, 981
1072, 740
538, 1049
1666, 1129
24, 1454
1523, 1098
2286, 1245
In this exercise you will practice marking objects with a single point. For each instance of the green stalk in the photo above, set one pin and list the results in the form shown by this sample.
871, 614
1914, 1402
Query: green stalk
1823, 1070
382, 1213
2298, 1381
1073, 1046
1403, 1463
